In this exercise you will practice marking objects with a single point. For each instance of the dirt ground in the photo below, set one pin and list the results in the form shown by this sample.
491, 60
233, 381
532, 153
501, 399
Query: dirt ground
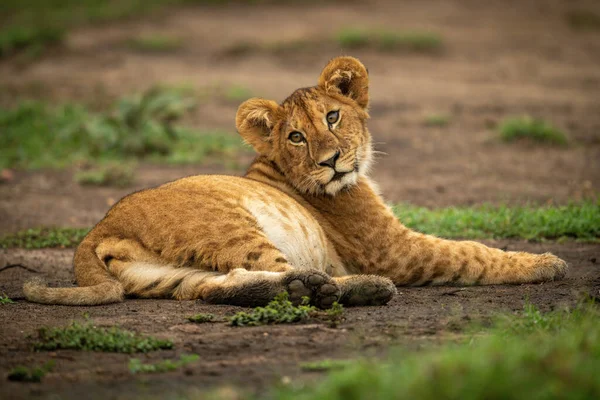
500, 58
252, 358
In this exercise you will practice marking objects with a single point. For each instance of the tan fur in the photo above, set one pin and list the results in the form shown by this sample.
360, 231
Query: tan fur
292, 223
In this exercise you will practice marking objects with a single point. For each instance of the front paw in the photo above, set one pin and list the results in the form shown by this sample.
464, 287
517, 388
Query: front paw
548, 267
554, 268
367, 290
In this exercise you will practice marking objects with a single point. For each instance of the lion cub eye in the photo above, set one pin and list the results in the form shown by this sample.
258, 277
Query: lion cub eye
296, 137
332, 117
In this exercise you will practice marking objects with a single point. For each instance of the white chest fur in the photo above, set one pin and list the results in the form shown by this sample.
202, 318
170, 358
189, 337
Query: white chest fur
292, 230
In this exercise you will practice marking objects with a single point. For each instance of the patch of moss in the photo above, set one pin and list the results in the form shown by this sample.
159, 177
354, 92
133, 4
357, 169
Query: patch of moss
437, 120
201, 318
136, 366
281, 311
111, 174
278, 311
526, 127
326, 365
40, 238
88, 337
155, 43
33, 374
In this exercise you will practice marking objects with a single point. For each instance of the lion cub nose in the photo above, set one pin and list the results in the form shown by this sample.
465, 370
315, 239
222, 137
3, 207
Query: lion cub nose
331, 162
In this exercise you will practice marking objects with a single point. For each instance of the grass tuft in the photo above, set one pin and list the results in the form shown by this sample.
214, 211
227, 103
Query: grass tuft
139, 127
326, 365
136, 366
88, 337
40, 238
34, 25
34, 374
4, 299
562, 364
526, 127
532, 321
110, 174
201, 318
576, 221
279, 311
155, 43
389, 40
237, 93
32, 39
335, 314
437, 120
39, 24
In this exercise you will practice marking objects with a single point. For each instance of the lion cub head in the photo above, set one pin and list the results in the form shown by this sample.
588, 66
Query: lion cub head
318, 136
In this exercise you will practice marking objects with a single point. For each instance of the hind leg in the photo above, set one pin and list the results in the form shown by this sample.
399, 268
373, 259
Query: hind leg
257, 288
143, 274
237, 287
365, 290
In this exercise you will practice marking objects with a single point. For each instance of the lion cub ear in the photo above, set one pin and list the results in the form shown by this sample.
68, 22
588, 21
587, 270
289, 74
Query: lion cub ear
255, 120
346, 76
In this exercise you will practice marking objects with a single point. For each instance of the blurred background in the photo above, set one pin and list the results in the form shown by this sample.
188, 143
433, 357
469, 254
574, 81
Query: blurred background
471, 102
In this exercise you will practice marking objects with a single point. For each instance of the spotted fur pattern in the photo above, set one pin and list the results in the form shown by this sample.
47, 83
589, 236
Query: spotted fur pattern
305, 219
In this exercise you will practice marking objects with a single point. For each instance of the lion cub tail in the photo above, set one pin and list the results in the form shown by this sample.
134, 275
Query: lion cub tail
96, 285
108, 292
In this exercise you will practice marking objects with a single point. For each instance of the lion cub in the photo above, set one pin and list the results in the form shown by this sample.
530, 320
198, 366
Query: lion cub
305, 219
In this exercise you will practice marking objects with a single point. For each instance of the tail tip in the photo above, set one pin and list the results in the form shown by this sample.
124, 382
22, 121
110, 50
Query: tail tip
32, 286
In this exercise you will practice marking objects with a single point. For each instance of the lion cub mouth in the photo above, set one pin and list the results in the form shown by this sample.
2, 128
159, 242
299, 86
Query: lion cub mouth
338, 176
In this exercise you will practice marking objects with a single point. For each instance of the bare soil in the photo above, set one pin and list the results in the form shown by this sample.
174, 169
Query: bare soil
251, 358
500, 58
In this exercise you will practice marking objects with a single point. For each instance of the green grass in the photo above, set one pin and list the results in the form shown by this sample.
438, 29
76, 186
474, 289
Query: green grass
87, 337
237, 93
37, 24
22, 373
34, 25
40, 238
33, 39
437, 120
528, 356
201, 318
326, 365
155, 43
281, 311
278, 311
576, 221
415, 41
4, 299
579, 221
142, 127
335, 314
584, 20
111, 174
526, 127
136, 366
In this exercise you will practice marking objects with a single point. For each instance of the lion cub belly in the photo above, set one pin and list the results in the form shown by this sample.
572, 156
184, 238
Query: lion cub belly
295, 232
